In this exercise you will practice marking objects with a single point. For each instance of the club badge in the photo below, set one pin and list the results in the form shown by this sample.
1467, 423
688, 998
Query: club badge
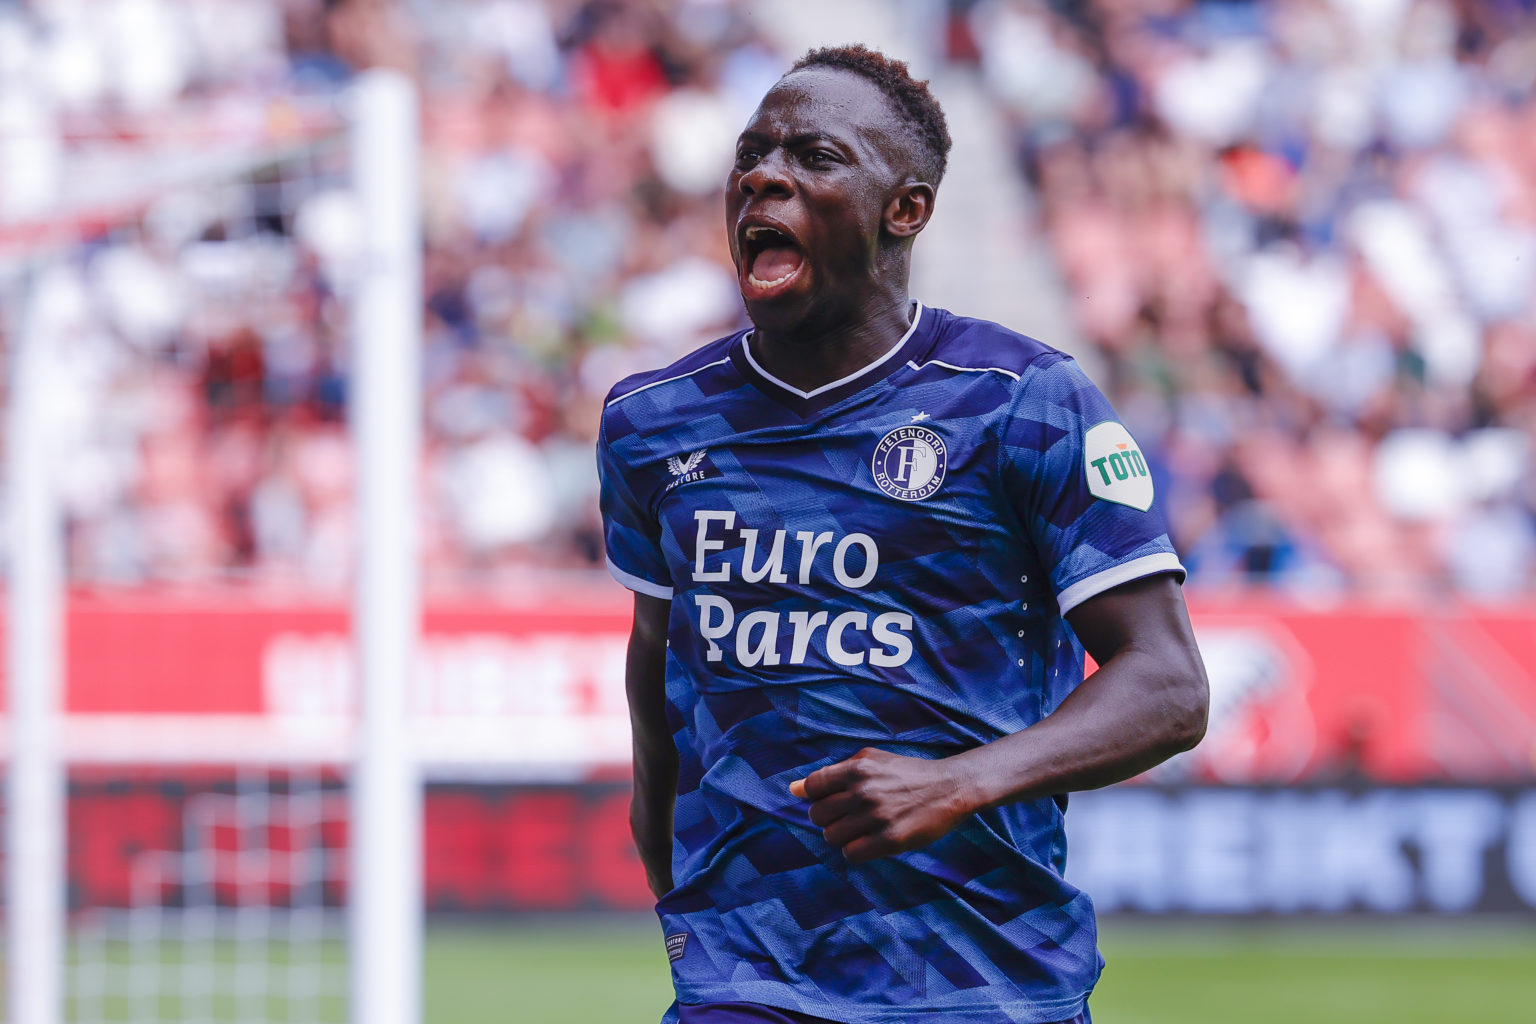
909, 463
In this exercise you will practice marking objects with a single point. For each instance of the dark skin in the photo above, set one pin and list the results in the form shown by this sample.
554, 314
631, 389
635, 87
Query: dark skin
823, 161
655, 758
824, 164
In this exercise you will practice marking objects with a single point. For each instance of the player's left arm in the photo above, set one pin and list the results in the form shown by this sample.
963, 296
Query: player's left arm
1147, 702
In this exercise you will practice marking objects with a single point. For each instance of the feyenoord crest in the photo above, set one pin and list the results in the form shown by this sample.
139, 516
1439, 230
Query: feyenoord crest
909, 463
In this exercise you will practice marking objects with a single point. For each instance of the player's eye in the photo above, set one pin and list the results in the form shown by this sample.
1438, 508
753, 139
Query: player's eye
745, 158
820, 157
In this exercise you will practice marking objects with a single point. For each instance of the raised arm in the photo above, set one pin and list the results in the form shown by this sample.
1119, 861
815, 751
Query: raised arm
655, 757
1147, 702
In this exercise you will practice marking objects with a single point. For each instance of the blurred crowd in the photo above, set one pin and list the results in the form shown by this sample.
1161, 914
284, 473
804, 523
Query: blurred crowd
1299, 241
1301, 236
574, 153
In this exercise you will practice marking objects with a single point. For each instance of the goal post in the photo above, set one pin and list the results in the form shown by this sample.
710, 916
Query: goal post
34, 821
220, 912
386, 410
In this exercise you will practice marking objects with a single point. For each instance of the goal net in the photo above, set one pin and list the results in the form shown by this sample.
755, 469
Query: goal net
239, 922
178, 322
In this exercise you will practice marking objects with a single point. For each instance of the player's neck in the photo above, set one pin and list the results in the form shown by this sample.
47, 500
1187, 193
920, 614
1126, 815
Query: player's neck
809, 355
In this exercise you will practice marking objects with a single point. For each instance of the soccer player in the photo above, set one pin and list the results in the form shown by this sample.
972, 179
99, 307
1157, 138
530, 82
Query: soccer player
869, 542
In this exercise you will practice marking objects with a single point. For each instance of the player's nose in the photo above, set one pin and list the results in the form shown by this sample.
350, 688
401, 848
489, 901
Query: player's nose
769, 176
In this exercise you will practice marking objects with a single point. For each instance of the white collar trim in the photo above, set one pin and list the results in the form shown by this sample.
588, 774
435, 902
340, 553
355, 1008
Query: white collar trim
746, 347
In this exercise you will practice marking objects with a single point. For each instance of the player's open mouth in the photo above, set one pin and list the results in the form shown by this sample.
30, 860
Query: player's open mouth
771, 261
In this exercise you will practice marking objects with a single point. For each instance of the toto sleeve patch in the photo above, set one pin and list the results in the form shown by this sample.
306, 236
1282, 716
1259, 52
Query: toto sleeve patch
1115, 467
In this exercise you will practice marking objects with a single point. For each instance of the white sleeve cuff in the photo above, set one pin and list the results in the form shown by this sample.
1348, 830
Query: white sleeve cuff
1135, 569
639, 585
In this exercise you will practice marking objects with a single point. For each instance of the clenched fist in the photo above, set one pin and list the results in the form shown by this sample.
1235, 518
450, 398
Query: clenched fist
877, 803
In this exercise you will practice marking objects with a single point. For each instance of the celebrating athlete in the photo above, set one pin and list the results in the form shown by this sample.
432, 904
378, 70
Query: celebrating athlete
870, 542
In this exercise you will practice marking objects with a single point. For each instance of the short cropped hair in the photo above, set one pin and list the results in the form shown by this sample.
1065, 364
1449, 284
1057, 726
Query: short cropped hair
910, 97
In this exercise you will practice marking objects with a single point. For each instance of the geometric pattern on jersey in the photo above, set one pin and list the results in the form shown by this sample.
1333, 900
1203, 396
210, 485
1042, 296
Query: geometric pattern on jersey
816, 611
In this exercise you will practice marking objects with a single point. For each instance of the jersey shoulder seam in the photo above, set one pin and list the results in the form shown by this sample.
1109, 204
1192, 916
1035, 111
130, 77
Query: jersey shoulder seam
616, 399
1050, 355
678, 370
972, 344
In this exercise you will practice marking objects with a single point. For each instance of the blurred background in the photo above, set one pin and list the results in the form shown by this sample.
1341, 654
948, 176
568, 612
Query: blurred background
1293, 241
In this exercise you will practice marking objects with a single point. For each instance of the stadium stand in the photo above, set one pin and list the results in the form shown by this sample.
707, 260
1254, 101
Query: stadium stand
1301, 238
1306, 280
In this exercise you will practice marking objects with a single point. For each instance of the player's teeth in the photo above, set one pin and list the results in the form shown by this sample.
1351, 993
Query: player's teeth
769, 284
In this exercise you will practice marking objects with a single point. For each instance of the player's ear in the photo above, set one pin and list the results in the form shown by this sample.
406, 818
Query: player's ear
909, 209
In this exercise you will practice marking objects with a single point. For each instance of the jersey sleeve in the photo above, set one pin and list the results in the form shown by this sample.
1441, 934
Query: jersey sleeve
1081, 486
631, 535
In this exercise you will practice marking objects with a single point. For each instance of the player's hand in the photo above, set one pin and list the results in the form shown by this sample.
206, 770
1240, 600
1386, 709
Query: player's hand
877, 803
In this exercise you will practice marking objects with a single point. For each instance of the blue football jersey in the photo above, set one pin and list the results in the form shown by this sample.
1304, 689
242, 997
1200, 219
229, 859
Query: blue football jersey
883, 561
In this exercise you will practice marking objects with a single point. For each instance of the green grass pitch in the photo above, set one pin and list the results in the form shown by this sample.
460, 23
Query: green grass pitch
1408, 972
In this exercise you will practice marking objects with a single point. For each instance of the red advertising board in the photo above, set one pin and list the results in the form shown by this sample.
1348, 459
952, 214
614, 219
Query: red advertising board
1398, 694
487, 848
499, 848
168, 696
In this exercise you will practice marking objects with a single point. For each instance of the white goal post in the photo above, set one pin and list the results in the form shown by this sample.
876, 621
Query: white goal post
384, 805
386, 418
34, 818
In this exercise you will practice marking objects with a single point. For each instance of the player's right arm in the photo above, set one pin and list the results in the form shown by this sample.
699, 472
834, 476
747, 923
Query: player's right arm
655, 756
632, 540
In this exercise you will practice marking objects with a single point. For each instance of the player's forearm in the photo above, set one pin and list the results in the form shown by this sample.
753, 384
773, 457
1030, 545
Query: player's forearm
655, 796
655, 756
650, 816
1138, 710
